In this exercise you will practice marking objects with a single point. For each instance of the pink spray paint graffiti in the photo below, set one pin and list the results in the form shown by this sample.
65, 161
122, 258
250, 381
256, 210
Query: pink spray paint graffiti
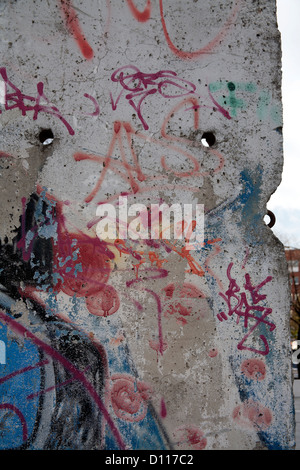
141, 85
239, 305
17, 100
254, 369
74, 28
252, 415
124, 136
141, 16
129, 397
186, 55
210, 46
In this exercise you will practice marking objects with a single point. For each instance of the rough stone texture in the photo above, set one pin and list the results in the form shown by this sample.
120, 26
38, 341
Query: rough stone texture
140, 344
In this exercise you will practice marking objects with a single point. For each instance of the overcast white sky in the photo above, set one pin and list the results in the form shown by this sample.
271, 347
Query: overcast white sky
285, 202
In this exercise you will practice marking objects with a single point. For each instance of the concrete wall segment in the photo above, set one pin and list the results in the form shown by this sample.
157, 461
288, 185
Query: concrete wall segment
142, 344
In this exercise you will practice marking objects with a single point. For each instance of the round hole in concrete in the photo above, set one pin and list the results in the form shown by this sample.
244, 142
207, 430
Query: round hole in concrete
208, 139
270, 219
46, 136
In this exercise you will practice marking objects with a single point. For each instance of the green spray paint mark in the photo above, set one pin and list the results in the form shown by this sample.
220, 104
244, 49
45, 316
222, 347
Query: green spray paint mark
263, 105
229, 99
234, 96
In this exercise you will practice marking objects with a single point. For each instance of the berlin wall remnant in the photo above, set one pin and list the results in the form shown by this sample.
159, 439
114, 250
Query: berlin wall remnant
119, 334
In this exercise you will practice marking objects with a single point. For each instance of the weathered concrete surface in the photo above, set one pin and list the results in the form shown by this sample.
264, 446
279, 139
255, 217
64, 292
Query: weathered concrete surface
140, 344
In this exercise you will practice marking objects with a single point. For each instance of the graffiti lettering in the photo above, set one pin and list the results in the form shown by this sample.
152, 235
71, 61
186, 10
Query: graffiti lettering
239, 305
124, 135
141, 85
17, 100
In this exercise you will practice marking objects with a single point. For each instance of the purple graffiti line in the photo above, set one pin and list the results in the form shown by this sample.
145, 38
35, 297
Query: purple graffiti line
238, 304
96, 111
54, 387
78, 375
22, 371
9, 406
219, 107
17, 99
141, 85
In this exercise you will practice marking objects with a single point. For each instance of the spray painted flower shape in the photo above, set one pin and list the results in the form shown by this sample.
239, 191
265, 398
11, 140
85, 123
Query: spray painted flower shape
252, 415
190, 436
254, 369
129, 397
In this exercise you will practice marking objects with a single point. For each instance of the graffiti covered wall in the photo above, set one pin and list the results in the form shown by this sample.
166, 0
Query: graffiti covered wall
144, 298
